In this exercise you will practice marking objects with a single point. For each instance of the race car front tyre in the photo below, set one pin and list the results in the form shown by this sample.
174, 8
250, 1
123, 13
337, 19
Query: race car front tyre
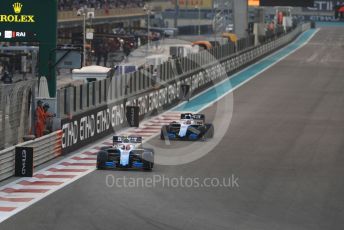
148, 159
104, 148
164, 132
102, 158
209, 133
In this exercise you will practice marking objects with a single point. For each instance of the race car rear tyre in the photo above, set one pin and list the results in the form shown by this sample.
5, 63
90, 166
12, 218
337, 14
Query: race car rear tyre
102, 158
209, 133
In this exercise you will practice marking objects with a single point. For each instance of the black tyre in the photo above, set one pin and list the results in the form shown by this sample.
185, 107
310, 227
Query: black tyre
210, 130
102, 158
104, 148
164, 131
148, 159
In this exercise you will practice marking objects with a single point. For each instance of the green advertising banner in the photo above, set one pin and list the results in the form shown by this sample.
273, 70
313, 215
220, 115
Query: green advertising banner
32, 21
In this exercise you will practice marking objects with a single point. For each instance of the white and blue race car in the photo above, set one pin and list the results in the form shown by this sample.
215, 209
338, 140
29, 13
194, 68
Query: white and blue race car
191, 127
126, 153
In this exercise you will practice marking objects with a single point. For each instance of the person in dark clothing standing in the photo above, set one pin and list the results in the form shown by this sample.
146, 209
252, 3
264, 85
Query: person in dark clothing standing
99, 52
7, 78
40, 119
105, 53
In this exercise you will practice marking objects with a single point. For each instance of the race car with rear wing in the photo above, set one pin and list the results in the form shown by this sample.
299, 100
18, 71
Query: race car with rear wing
191, 127
125, 153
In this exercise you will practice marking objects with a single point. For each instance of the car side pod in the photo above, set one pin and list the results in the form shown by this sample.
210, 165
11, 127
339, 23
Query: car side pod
193, 137
137, 164
110, 164
172, 136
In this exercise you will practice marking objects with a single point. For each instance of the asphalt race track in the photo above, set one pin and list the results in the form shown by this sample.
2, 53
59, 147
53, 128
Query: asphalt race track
285, 145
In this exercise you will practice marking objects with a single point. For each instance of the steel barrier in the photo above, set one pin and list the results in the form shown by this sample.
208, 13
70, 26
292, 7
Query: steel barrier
45, 149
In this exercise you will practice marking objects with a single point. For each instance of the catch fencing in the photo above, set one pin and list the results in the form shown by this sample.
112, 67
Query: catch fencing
15, 115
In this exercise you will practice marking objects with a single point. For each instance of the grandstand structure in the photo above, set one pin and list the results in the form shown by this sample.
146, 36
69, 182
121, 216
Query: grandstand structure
108, 15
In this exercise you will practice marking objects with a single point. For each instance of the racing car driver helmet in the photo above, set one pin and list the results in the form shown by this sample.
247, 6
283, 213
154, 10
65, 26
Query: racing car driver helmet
127, 147
46, 106
40, 103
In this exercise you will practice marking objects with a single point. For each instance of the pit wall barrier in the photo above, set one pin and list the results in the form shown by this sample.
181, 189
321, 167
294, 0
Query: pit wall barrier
45, 149
92, 111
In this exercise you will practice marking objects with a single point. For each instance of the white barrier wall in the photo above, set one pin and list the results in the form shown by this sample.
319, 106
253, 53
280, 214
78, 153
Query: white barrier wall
45, 149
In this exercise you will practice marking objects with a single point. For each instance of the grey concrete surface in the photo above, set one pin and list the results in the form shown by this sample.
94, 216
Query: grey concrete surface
285, 145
